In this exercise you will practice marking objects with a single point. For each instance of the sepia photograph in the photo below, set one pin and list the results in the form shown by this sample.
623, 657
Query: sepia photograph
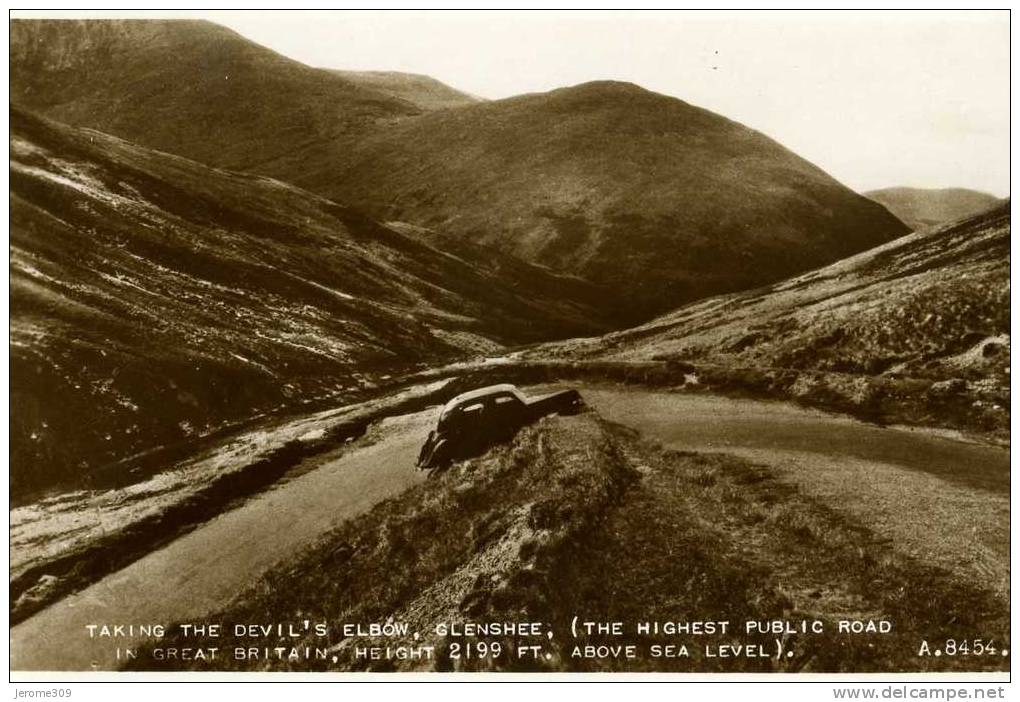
540, 344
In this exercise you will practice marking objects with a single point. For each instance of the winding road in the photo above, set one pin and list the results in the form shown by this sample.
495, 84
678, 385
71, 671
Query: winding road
938, 498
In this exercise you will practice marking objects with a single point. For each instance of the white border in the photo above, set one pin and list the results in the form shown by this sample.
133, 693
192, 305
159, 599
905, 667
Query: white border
111, 685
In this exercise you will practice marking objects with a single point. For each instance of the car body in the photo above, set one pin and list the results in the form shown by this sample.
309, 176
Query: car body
475, 420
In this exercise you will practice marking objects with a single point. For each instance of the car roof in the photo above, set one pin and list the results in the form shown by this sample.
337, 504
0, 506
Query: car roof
480, 392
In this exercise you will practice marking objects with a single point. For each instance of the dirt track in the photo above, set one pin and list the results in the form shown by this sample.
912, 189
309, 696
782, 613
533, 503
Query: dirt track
937, 498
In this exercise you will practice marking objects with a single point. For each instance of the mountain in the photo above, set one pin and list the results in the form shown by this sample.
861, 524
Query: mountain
424, 92
919, 207
155, 300
191, 88
660, 201
916, 330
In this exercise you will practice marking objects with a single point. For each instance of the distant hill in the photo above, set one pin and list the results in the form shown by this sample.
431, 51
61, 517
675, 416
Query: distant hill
660, 201
919, 207
422, 91
916, 330
657, 199
154, 300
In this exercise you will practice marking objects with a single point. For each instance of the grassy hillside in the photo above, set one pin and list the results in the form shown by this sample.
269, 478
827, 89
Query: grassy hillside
660, 201
577, 517
154, 299
422, 91
919, 208
916, 330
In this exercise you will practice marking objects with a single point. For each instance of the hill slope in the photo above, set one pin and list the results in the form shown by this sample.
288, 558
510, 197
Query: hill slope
916, 330
154, 299
659, 200
919, 207
192, 88
423, 91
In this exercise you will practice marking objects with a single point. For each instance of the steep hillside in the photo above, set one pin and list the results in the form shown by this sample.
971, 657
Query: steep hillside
658, 199
191, 88
154, 299
919, 207
915, 330
422, 91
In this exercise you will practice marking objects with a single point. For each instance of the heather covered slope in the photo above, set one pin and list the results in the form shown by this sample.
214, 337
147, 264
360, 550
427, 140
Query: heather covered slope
916, 330
154, 299
660, 200
920, 207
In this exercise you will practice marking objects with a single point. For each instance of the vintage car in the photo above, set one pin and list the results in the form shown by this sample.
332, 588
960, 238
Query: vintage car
473, 421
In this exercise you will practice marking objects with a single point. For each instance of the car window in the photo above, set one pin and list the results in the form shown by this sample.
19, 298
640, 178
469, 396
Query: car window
476, 407
504, 399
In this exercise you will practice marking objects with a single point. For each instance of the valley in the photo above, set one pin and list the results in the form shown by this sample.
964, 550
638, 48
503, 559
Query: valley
162, 301
654, 200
